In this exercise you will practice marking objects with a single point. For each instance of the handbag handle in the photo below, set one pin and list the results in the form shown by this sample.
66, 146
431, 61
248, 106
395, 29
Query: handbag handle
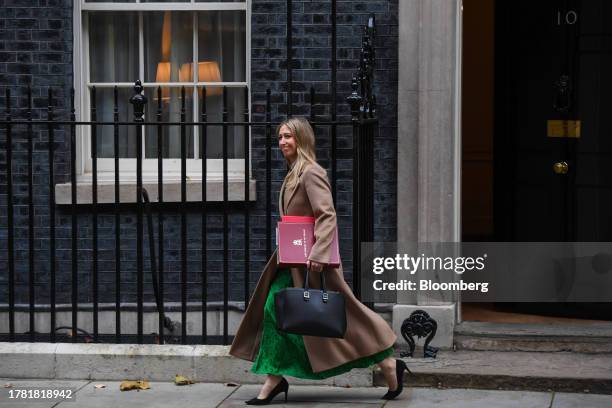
307, 293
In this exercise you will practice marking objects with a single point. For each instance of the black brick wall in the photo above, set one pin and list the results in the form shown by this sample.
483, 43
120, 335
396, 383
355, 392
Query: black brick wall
312, 62
36, 50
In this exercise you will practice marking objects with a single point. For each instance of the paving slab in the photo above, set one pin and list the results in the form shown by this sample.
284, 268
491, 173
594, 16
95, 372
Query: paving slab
6, 402
204, 395
160, 395
313, 396
566, 400
466, 398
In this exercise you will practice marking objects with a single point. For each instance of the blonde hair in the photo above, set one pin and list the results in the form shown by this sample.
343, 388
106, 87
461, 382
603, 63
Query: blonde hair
305, 142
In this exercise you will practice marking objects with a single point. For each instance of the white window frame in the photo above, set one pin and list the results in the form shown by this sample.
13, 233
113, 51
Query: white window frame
82, 85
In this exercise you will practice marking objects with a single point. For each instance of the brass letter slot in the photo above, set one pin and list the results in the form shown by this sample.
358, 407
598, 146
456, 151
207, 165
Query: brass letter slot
563, 128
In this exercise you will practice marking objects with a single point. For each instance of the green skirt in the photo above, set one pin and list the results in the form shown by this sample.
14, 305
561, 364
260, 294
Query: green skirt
284, 354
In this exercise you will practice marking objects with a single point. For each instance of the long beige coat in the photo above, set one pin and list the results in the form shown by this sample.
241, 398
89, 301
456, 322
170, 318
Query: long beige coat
366, 334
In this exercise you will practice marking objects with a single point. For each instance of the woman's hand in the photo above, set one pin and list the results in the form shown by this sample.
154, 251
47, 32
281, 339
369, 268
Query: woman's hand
315, 266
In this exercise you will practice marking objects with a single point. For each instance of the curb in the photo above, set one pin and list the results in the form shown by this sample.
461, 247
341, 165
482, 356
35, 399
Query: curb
503, 382
201, 363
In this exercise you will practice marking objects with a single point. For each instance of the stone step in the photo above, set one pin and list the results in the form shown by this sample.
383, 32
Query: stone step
532, 371
580, 338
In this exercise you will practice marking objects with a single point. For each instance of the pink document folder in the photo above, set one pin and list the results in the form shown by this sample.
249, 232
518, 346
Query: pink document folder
295, 237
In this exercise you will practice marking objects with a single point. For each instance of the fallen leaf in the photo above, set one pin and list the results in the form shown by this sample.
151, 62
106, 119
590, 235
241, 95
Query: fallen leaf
8, 385
100, 386
182, 380
134, 385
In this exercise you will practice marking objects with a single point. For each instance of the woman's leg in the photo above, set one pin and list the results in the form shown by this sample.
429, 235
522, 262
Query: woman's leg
388, 369
271, 382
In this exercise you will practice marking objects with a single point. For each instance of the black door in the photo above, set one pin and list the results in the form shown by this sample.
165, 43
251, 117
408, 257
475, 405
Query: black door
553, 125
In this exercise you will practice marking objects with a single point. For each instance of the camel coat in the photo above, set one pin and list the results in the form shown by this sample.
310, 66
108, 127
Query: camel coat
367, 333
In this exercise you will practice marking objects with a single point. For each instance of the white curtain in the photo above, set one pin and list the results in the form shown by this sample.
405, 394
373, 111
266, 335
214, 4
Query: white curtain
168, 57
113, 57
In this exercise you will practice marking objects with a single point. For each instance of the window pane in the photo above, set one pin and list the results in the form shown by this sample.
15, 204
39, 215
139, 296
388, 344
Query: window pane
222, 43
171, 112
168, 46
235, 134
105, 134
113, 46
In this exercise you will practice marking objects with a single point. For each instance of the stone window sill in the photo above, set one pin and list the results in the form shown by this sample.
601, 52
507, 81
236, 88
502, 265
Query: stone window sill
171, 189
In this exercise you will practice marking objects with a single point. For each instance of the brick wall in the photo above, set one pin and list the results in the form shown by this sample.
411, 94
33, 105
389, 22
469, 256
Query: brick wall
36, 49
312, 62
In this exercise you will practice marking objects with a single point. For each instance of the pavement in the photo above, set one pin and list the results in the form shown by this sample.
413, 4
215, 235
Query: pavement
203, 395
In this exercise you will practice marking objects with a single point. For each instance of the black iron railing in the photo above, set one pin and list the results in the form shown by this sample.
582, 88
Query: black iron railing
363, 123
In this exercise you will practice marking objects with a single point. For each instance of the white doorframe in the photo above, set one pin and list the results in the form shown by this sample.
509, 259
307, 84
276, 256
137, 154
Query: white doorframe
457, 136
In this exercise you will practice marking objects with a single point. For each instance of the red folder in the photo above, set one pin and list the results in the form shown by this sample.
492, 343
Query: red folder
297, 218
295, 237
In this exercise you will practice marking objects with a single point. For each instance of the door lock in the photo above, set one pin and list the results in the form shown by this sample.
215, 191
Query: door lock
560, 167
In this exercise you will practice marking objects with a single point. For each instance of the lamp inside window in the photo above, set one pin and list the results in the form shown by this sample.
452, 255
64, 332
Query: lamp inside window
208, 71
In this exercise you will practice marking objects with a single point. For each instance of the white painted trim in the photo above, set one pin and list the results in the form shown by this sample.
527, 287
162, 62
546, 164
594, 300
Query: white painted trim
458, 136
247, 77
85, 131
166, 84
163, 6
77, 80
196, 76
171, 187
83, 84
457, 122
214, 166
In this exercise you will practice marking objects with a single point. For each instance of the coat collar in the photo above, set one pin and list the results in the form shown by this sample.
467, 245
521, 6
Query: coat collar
292, 193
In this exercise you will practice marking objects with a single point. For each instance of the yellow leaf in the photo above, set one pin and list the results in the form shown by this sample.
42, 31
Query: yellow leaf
134, 385
182, 380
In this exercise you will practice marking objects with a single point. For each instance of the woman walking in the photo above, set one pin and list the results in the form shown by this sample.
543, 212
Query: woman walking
368, 339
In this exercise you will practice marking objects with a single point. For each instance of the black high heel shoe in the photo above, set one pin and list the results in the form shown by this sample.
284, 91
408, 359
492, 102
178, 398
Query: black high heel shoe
283, 385
400, 367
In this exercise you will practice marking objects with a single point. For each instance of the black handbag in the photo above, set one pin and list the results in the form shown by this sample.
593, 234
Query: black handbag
310, 312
